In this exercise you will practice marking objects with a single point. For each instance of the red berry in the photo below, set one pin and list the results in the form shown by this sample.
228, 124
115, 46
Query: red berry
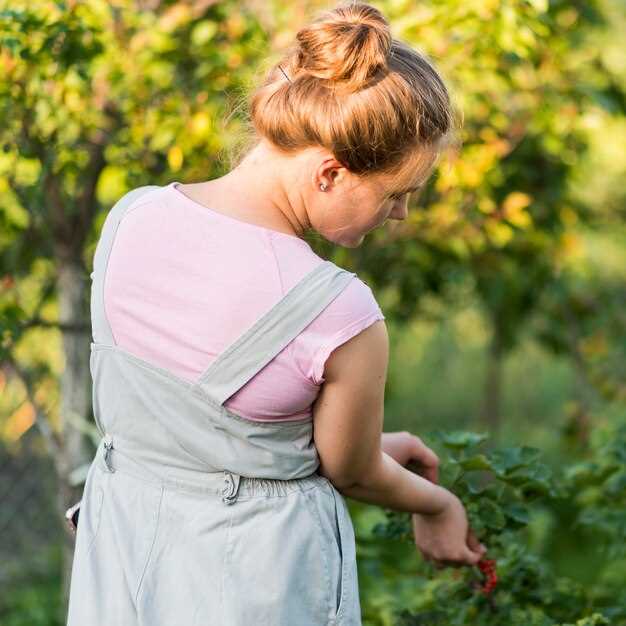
488, 568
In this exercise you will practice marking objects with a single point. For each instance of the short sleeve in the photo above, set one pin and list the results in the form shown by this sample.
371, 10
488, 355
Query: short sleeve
352, 311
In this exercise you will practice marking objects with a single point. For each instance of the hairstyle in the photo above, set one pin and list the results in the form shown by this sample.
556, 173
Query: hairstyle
347, 85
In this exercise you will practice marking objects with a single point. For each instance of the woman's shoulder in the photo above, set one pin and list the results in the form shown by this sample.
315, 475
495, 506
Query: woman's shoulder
353, 310
350, 313
357, 298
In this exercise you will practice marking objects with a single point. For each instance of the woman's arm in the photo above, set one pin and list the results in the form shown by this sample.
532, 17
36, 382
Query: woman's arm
390, 485
409, 449
348, 420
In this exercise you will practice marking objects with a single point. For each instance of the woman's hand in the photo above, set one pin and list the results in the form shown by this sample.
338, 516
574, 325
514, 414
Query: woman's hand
406, 448
445, 537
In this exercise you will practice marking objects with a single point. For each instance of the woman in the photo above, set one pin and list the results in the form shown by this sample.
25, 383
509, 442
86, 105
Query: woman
238, 378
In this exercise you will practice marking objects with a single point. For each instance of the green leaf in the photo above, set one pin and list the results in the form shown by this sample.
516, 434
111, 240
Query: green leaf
203, 32
506, 459
491, 514
535, 488
475, 484
462, 439
616, 486
518, 476
541, 6
516, 512
538, 474
477, 462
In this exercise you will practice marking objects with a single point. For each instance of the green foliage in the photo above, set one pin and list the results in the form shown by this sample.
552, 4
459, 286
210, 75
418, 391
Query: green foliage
34, 597
99, 97
599, 487
503, 490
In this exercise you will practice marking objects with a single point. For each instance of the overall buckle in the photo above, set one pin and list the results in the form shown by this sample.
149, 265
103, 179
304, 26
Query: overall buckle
231, 489
108, 446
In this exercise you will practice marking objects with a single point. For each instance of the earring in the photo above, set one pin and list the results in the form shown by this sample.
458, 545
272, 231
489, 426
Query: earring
323, 186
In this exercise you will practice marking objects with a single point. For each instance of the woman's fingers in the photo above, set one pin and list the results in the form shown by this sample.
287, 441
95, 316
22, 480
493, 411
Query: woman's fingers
472, 557
474, 544
427, 458
469, 558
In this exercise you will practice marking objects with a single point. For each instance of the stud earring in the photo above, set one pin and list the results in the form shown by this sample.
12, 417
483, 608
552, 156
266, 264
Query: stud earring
323, 186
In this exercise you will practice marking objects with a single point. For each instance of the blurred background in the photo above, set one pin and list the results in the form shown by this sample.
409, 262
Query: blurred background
504, 290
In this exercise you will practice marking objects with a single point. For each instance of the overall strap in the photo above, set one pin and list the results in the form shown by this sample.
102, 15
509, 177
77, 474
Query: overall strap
100, 328
276, 328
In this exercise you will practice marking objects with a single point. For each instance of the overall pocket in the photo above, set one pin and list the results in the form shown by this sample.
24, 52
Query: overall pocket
341, 549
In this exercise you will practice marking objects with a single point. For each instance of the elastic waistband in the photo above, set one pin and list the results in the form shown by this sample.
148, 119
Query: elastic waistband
231, 486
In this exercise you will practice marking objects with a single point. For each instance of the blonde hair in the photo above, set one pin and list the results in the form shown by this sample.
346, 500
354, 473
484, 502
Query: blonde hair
347, 85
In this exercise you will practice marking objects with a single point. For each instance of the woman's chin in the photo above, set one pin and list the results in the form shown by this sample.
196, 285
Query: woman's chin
347, 240
354, 242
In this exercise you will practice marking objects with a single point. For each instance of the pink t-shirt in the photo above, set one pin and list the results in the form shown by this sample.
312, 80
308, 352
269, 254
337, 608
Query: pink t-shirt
183, 281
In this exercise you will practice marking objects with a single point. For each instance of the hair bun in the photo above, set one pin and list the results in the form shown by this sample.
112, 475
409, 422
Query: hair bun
349, 44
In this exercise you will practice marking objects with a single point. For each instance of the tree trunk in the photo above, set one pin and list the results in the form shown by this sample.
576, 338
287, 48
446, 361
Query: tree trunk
75, 401
583, 391
493, 384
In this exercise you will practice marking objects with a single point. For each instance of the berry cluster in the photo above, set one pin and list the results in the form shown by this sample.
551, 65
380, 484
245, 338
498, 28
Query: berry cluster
488, 568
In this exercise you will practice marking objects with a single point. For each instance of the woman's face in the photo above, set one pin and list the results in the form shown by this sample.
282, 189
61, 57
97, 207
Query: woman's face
353, 206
